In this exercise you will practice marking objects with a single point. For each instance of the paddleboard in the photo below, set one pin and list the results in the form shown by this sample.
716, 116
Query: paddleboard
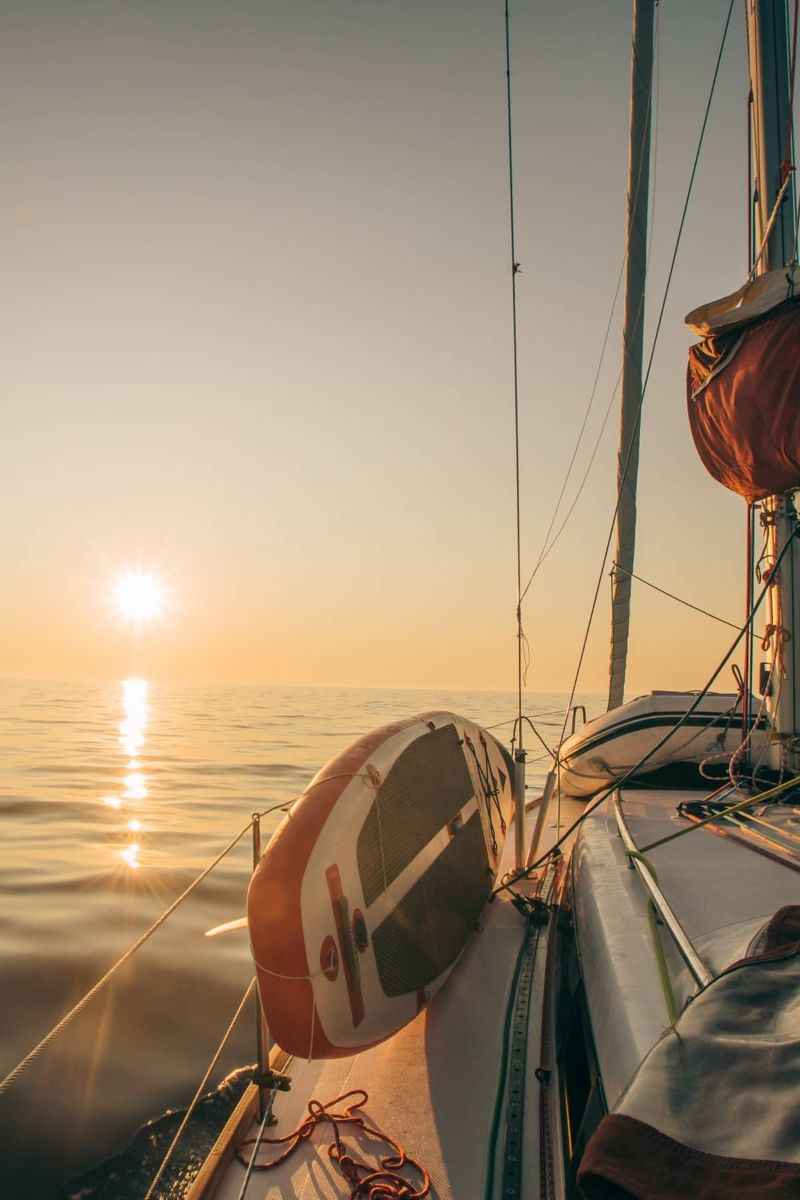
373, 883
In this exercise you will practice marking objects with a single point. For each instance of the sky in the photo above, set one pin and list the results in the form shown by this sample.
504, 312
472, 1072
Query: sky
256, 337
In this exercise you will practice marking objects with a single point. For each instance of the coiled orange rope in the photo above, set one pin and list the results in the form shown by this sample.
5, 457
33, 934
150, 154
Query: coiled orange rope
365, 1181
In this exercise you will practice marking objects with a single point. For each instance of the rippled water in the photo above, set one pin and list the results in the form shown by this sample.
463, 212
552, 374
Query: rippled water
113, 798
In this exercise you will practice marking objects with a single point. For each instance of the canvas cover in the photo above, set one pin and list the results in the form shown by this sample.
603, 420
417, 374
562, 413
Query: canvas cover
712, 1112
744, 404
754, 299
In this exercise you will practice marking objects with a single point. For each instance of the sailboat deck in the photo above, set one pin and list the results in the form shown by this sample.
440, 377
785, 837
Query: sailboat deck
432, 1087
436, 1086
721, 891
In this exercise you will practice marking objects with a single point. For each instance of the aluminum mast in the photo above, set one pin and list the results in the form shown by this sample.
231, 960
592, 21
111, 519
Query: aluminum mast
632, 341
768, 51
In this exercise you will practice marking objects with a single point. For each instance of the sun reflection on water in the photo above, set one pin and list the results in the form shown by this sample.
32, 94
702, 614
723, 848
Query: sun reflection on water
132, 727
130, 855
132, 736
135, 786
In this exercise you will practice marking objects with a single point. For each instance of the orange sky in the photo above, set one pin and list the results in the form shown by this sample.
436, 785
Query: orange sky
256, 338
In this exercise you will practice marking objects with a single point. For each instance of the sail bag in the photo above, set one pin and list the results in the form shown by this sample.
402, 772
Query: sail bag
743, 388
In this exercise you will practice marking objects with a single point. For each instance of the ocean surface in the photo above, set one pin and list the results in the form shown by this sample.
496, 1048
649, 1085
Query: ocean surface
114, 797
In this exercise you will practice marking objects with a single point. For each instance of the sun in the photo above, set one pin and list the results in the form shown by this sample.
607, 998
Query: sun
139, 596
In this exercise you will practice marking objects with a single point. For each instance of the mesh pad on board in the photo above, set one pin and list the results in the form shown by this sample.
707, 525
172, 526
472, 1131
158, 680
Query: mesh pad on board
427, 930
428, 784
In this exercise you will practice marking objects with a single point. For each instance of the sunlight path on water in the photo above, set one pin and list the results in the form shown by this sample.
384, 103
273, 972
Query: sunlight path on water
115, 796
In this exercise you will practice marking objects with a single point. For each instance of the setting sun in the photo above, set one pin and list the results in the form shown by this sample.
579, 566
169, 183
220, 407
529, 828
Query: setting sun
139, 596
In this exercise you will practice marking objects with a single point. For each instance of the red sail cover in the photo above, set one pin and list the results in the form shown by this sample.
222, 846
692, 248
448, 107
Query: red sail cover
744, 405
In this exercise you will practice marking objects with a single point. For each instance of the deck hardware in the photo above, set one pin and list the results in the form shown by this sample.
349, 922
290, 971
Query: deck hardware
577, 708
532, 908
273, 1080
542, 1074
262, 1033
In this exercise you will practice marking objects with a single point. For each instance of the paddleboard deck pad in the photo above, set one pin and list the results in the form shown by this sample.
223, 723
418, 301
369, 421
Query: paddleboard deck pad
373, 883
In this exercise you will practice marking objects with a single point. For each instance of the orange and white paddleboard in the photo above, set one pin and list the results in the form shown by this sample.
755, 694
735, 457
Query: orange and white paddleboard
370, 888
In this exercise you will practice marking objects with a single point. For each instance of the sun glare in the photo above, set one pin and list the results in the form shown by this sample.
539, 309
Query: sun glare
139, 596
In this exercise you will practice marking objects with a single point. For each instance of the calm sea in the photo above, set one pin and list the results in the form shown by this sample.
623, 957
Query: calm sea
114, 797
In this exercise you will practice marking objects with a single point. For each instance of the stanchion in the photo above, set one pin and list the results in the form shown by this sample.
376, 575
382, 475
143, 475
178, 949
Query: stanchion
262, 1038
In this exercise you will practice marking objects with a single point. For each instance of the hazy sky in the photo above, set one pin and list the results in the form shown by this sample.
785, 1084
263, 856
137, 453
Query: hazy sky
256, 336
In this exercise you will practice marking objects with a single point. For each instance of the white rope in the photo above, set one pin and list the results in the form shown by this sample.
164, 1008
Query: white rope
289, 978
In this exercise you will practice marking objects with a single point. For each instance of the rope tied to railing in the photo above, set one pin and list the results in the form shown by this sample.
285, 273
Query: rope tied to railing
85, 1000
382, 1183
29, 1058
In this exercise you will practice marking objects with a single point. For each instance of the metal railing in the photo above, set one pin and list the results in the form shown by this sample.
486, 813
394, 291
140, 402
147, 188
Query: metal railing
263, 1092
666, 914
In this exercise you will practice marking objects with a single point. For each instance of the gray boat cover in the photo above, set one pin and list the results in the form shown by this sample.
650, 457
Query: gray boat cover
714, 1110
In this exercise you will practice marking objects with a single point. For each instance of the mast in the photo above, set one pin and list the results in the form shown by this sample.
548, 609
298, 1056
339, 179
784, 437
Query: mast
632, 341
768, 52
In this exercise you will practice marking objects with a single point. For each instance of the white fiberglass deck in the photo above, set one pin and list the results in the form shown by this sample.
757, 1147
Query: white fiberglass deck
721, 893
432, 1087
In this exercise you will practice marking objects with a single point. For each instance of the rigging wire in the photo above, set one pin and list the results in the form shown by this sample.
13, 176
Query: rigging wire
547, 544
646, 380
788, 162
616, 567
790, 123
201, 1087
549, 712
551, 752
636, 768
751, 208
515, 269
61, 1025
14, 1074
546, 548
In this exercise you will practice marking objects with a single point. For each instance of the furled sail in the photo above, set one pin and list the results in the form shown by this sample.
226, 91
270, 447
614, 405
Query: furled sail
743, 386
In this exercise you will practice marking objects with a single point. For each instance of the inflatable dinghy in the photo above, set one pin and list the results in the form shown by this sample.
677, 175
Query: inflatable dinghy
608, 746
373, 883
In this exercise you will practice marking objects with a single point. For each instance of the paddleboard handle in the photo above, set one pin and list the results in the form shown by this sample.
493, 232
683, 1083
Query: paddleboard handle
342, 910
344, 929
